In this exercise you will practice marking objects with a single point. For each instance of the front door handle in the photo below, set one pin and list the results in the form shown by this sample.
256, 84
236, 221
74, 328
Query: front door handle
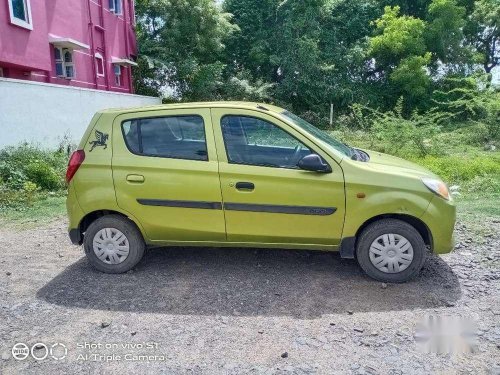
136, 178
245, 186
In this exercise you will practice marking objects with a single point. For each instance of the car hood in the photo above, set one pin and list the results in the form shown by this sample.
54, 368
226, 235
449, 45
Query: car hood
380, 160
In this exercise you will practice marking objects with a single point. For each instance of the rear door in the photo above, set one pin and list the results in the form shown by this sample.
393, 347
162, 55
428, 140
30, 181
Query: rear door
266, 197
165, 172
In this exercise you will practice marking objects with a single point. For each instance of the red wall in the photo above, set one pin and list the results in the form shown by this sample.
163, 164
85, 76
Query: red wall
27, 54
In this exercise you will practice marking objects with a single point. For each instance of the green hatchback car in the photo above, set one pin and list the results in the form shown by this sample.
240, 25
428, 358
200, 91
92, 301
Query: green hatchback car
238, 174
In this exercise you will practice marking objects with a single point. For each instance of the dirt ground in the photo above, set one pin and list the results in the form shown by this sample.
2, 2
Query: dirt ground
233, 311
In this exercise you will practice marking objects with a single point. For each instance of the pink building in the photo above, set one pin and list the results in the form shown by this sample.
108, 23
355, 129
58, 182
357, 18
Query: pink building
84, 43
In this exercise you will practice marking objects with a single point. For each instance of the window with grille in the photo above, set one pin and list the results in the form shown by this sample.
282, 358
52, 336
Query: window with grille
65, 67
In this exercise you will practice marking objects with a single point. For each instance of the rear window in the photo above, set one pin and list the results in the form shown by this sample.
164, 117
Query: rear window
176, 137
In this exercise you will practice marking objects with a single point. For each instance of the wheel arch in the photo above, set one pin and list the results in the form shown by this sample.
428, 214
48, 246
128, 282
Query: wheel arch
90, 217
348, 244
416, 223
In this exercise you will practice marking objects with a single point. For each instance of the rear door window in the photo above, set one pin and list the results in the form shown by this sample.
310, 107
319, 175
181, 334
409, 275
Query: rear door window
176, 137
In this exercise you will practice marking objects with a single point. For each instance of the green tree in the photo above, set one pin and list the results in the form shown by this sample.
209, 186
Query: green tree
313, 53
411, 77
397, 37
401, 57
445, 20
413, 54
181, 43
483, 32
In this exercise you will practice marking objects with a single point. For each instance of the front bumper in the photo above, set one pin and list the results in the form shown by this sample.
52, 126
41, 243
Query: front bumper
440, 218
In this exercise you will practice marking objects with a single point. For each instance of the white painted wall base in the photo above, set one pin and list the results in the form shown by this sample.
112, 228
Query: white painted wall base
44, 113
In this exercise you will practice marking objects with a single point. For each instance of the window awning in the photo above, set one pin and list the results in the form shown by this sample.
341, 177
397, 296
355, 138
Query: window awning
123, 62
66, 42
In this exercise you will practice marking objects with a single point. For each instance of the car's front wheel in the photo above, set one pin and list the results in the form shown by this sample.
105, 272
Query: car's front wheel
391, 250
113, 244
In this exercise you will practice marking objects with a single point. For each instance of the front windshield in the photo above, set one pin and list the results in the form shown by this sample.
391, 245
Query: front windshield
320, 134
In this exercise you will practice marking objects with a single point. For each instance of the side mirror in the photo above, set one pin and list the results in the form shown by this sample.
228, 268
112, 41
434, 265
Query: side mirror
314, 163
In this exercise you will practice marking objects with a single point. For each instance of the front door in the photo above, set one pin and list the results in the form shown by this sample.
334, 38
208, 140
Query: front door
267, 199
165, 172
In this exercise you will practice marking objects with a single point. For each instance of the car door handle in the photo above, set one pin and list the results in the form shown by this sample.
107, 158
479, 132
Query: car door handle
245, 186
137, 178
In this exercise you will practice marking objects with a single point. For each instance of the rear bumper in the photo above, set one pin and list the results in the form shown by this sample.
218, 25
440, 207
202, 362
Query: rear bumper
440, 218
75, 236
75, 215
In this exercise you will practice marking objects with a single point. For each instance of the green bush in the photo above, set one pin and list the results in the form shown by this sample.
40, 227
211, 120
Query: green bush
20, 199
492, 118
30, 163
462, 169
489, 184
44, 175
393, 133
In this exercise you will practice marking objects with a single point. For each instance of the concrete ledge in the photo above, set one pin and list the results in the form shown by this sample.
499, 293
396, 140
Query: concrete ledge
44, 113
26, 82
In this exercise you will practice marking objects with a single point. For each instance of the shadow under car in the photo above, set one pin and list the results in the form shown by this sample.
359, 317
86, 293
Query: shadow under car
248, 282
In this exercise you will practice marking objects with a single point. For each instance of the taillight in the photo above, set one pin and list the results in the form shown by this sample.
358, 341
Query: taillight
75, 161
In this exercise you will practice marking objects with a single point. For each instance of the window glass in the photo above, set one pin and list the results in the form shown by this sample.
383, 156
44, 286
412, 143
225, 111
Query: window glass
59, 69
118, 74
99, 64
322, 135
254, 141
59, 62
70, 71
68, 57
57, 54
115, 6
19, 10
118, 6
177, 137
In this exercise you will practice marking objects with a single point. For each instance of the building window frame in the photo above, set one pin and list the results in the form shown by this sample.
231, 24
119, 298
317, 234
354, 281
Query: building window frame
1, 72
99, 62
26, 23
61, 59
116, 6
118, 71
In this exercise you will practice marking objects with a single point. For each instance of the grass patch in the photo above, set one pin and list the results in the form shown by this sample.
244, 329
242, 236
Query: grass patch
473, 207
477, 213
458, 169
42, 211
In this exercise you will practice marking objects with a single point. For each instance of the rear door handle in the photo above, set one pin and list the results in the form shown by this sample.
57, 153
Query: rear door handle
245, 186
137, 178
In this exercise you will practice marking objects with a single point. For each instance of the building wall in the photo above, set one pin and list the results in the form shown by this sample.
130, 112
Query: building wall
27, 54
44, 113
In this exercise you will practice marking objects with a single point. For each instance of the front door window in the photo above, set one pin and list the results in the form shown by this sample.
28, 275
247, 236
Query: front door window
253, 141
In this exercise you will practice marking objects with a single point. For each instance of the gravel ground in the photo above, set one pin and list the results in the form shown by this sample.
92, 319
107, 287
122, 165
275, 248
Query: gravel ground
236, 311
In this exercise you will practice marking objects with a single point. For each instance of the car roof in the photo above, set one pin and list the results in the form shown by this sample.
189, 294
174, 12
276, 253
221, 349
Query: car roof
195, 105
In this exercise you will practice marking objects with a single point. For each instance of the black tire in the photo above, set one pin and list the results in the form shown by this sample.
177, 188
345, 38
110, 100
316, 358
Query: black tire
386, 226
136, 243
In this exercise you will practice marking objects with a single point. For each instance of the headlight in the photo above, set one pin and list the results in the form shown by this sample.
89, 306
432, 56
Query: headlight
437, 187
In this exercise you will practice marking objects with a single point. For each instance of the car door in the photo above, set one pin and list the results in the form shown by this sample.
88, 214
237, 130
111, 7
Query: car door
165, 172
267, 199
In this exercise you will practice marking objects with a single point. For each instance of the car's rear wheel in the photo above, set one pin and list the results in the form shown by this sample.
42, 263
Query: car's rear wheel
113, 244
391, 250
